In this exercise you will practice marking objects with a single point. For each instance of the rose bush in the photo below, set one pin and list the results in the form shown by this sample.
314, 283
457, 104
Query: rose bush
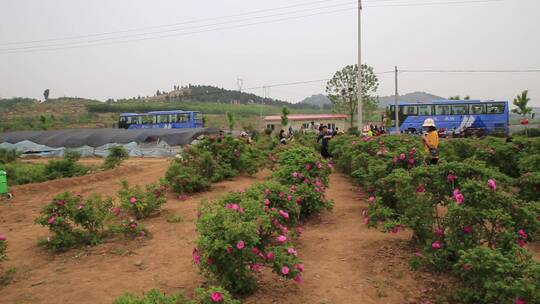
212, 160
240, 235
307, 174
203, 296
3, 247
74, 221
141, 202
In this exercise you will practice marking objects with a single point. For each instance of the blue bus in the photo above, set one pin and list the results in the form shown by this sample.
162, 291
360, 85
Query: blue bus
176, 119
457, 117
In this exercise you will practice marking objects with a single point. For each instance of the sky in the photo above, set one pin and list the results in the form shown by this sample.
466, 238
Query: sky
308, 40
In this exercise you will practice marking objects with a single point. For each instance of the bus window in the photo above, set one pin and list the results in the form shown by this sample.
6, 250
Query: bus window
147, 119
495, 108
477, 109
183, 118
162, 118
173, 118
410, 110
459, 109
425, 110
442, 110
134, 120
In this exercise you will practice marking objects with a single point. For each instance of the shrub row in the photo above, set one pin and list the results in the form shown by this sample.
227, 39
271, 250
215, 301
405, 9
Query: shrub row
465, 213
3, 247
75, 221
203, 296
20, 173
213, 159
246, 231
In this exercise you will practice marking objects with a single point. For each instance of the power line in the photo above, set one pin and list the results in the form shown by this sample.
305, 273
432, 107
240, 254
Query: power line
80, 44
301, 82
178, 29
182, 22
436, 3
177, 34
471, 71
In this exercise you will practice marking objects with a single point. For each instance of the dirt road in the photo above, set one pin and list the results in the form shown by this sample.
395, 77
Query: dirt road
345, 261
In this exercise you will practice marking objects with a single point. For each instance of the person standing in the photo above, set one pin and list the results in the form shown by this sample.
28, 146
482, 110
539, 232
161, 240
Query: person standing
431, 142
325, 136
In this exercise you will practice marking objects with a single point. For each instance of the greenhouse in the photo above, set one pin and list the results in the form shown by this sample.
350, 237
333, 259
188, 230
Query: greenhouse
96, 142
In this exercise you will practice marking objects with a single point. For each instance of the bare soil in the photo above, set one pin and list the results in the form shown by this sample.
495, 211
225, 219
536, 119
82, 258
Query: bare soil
345, 261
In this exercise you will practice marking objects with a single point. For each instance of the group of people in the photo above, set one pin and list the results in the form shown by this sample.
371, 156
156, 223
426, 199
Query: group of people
430, 139
375, 130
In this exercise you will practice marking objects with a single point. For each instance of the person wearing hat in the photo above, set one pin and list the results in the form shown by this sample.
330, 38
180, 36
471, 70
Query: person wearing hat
431, 142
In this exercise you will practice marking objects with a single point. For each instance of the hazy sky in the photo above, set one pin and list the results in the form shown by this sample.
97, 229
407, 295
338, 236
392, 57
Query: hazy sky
486, 35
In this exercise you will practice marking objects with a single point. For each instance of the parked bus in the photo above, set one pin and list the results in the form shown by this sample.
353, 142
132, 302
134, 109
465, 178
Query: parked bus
456, 117
177, 119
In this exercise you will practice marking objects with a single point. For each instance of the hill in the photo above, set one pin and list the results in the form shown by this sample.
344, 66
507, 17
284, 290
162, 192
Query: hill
409, 97
318, 100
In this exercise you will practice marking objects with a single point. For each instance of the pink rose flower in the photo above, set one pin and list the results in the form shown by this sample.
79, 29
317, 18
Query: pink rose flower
285, 270
371, 199
80, 207
292, 251
270, 256
284, 229
467, 266
366, 220
142, 233
439, 232
284, 214
299, 202
299, 267
293, 188
2, 237
255, 267
402, 156
451, 177
281, 239
411, 161
115, 211
229, 250
520, 301
522, 234
240, 245
307, 167
521, 242
196, 256
298, 279
267, 191
266, 202
299, 231
492, 184
133, 200
216, 296
133, 225
436, 245
458, 197
51, 220
467, 230
421, 189
419, 254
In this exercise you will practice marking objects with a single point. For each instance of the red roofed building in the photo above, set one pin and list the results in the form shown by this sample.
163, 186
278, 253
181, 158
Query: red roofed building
300, 122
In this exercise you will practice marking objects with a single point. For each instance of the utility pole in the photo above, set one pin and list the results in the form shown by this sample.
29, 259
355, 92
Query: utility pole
359, 86
396, 106
240, 83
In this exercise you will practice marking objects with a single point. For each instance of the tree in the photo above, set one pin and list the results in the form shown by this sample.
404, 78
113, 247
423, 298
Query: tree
46, 94
230, 121
158, 93
284, 116
454, 97
521, 102
342, 90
